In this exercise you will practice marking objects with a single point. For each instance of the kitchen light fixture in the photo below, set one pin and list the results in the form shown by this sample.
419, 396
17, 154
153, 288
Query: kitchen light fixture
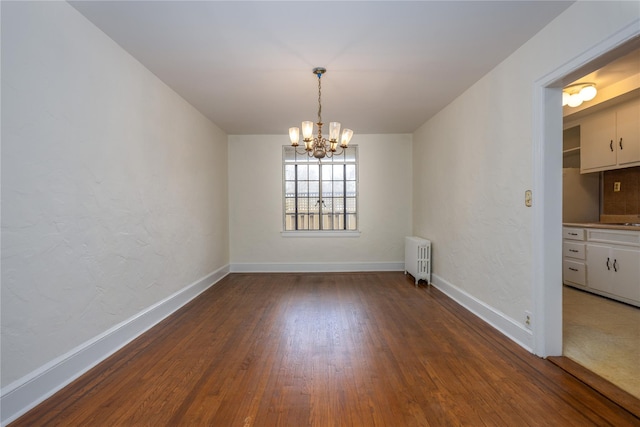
319, 147
575, 94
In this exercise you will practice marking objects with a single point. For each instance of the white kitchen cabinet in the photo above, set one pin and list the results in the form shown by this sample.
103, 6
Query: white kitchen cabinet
614, 271
628, 133
603, 261
610, 139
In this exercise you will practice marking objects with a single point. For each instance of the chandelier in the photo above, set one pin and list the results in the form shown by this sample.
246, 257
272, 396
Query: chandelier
574, 95
318, 146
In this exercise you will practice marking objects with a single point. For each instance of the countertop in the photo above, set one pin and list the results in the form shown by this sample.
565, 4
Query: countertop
602, 225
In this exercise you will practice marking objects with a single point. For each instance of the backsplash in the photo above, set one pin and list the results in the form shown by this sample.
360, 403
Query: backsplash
627, 200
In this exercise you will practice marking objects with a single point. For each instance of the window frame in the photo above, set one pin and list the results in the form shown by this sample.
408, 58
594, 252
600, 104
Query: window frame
304, 159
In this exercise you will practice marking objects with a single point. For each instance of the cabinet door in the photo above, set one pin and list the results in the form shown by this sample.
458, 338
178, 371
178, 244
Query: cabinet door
628, 133
600, 268
626, 266
597, 135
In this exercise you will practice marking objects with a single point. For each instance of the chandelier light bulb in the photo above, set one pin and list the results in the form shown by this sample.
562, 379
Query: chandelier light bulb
294, 135
334, 131
346, 137
307, 130
565, 98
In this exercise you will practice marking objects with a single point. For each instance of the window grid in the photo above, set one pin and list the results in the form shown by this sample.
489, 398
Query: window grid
320, 195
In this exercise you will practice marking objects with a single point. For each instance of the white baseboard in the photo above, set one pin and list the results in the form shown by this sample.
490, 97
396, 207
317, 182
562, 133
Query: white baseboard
24, 394
512, 329
315, 267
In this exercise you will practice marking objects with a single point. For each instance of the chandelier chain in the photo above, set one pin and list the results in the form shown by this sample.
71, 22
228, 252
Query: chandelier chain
319, 98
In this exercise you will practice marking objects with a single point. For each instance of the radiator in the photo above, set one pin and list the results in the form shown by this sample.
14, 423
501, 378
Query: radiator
417, 258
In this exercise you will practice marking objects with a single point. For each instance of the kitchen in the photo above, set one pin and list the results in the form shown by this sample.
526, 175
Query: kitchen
601, 223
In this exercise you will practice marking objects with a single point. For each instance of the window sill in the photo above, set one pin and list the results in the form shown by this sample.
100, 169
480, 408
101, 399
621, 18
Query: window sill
332, 233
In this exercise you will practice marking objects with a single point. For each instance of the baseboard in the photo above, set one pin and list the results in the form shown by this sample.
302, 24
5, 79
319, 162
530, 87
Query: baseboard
512, 329
315, 267
24, 394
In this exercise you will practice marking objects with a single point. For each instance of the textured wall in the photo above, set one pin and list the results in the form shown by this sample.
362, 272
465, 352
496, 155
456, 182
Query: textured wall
255, 200
114, 189
477, 156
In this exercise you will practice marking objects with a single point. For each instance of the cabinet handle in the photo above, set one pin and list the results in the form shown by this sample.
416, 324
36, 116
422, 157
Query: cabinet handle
573, 250
620, 143
573, 234
615, 266
608, 266
611, 145
573, 269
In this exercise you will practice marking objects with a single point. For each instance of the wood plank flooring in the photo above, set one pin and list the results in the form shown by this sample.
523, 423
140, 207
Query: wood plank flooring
356, 349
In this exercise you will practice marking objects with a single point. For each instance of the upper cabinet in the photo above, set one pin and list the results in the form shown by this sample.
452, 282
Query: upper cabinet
610, 139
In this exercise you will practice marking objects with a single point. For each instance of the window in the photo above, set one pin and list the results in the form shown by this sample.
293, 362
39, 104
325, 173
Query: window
320, 195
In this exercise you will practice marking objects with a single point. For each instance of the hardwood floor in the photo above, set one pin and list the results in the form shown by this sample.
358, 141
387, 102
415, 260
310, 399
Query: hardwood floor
358, 349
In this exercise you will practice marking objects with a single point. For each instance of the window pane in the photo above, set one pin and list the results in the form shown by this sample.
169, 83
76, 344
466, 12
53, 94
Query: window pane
338, 188
314, 172
289, 188
303, 222
351, 222
338, 172
350, 155
289, 154
327, 223
303, 205
290, 222
327, 205
351, 188
326, 172
290, 205
351, 172
351, 204
338, 204
326, 188
314, 222
290, 172
303, 188
314, 189
303, 172
314, 205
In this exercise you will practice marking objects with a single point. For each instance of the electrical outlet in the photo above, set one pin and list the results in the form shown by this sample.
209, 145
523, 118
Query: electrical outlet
616, 186
527, 319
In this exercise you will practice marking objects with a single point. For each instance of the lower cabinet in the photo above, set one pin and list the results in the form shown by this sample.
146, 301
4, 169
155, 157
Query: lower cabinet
605, 262
614, 271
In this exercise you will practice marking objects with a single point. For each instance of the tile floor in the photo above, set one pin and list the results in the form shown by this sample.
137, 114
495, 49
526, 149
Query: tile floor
604, 336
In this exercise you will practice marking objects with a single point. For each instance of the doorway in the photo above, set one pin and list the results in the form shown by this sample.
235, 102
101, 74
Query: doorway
547, 214
599, 334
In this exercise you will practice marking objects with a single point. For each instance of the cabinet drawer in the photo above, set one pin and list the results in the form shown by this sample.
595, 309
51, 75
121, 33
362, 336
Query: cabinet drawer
620, 237
573, 250
574, 272
573, 233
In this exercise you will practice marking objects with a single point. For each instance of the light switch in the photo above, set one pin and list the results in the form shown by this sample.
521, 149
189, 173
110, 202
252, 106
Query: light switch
616, 186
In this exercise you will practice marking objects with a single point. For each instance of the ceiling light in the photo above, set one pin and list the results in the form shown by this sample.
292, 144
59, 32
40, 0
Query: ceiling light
319, 147
574, 95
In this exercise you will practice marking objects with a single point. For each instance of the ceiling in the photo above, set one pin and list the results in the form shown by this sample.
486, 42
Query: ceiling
391, 64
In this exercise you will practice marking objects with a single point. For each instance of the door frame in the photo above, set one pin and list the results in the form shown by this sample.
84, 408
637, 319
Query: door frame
547, 183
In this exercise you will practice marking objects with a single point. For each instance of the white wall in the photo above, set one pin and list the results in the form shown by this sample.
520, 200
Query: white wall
477, 157
114, 189
255, 205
